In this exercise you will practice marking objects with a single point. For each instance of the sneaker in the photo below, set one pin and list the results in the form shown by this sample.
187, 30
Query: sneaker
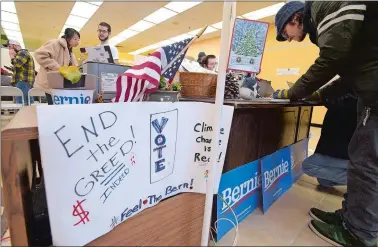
338, 235
326, 217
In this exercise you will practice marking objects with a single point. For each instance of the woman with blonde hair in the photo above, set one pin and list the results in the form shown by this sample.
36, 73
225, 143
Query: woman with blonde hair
54, 54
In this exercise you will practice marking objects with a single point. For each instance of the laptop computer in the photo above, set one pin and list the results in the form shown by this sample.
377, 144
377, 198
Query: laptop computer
100, 54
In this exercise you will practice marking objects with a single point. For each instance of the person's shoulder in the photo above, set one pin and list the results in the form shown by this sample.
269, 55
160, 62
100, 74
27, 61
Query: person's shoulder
324, 8
24, 53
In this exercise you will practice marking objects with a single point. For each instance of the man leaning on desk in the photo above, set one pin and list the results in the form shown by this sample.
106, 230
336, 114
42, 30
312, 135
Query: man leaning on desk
104, 31
347, 37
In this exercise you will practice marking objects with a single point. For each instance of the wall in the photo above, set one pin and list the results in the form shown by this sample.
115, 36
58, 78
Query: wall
276, 55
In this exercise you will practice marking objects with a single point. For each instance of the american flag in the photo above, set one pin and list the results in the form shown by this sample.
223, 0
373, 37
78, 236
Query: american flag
145, 77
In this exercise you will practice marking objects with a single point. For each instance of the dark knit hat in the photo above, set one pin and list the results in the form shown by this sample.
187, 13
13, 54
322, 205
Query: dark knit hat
284, 15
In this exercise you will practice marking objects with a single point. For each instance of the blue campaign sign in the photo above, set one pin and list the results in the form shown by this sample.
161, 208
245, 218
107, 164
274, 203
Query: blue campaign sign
241, 190
299, 152
276, 176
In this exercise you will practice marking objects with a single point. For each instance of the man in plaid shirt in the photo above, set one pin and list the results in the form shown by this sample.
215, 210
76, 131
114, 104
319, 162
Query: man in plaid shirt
23, 69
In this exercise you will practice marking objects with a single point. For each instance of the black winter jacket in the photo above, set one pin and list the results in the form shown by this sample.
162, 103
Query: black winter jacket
346, 33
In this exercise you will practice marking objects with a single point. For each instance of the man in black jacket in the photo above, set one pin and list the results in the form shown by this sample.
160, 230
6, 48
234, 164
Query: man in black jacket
346, 34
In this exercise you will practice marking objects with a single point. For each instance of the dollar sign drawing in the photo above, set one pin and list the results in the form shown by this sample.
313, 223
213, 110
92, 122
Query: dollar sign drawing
80, 212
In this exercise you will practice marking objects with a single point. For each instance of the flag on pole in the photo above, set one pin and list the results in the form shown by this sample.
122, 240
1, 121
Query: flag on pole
145, 77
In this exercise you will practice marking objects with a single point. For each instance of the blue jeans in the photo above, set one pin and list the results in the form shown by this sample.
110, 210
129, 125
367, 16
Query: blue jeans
328, 170
24, 87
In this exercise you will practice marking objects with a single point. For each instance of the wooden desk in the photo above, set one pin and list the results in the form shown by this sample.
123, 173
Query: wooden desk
176, 221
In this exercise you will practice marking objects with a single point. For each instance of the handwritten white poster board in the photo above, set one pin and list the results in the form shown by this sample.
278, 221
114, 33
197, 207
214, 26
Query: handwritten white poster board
104, 163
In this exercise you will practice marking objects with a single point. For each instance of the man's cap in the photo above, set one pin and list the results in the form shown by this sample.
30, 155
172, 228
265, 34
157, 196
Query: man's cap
12, 42
201, 54
284, 15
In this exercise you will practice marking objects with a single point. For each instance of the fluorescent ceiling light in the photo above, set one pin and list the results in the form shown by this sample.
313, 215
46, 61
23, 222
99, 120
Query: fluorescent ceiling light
124, 35
8, 7
80, 14
144, 49
98, 3
83, 9
165, 42
180, 7
218, 25
127, 34
69, 26
160, 15
9, 17
181, 37
13, 35
116, 40
209, 29
142, 25
10, 26
255, 15
264, 12
76, 21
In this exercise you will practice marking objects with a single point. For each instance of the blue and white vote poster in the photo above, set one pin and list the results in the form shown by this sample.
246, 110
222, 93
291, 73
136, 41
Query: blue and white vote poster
299, 152
240, 189
276, 176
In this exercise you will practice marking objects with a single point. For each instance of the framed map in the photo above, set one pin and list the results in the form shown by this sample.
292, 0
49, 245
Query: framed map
247, 45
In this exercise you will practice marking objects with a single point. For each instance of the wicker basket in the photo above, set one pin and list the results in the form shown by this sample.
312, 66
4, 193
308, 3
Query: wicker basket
199, 85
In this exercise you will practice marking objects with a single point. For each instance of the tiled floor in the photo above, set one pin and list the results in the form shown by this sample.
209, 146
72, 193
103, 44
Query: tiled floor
286, 222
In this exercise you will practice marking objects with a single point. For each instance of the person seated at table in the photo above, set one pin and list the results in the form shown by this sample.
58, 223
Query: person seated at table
329, 163
52, 55
209, 62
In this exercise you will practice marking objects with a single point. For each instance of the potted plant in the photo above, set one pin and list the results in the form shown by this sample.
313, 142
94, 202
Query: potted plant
166, 91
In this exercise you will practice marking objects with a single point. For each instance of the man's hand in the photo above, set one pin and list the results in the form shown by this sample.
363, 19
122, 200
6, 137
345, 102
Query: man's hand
281, 94
12, 53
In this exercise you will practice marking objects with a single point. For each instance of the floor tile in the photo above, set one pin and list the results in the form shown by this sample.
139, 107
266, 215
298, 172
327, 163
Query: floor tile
330, 203
308, 238
287, 216
250, 236
308, 179
307, 190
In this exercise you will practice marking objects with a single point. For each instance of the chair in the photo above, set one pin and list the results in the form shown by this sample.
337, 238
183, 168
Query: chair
35, 92
13, 92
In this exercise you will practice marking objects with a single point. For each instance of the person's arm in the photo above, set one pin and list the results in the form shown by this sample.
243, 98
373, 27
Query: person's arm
20, 59
336, 33
45, 56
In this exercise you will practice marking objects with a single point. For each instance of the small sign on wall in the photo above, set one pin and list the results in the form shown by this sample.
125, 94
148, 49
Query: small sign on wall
287, 71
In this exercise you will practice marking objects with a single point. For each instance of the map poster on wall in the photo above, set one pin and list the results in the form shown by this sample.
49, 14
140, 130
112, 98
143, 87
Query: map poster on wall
106, 163
247, 45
